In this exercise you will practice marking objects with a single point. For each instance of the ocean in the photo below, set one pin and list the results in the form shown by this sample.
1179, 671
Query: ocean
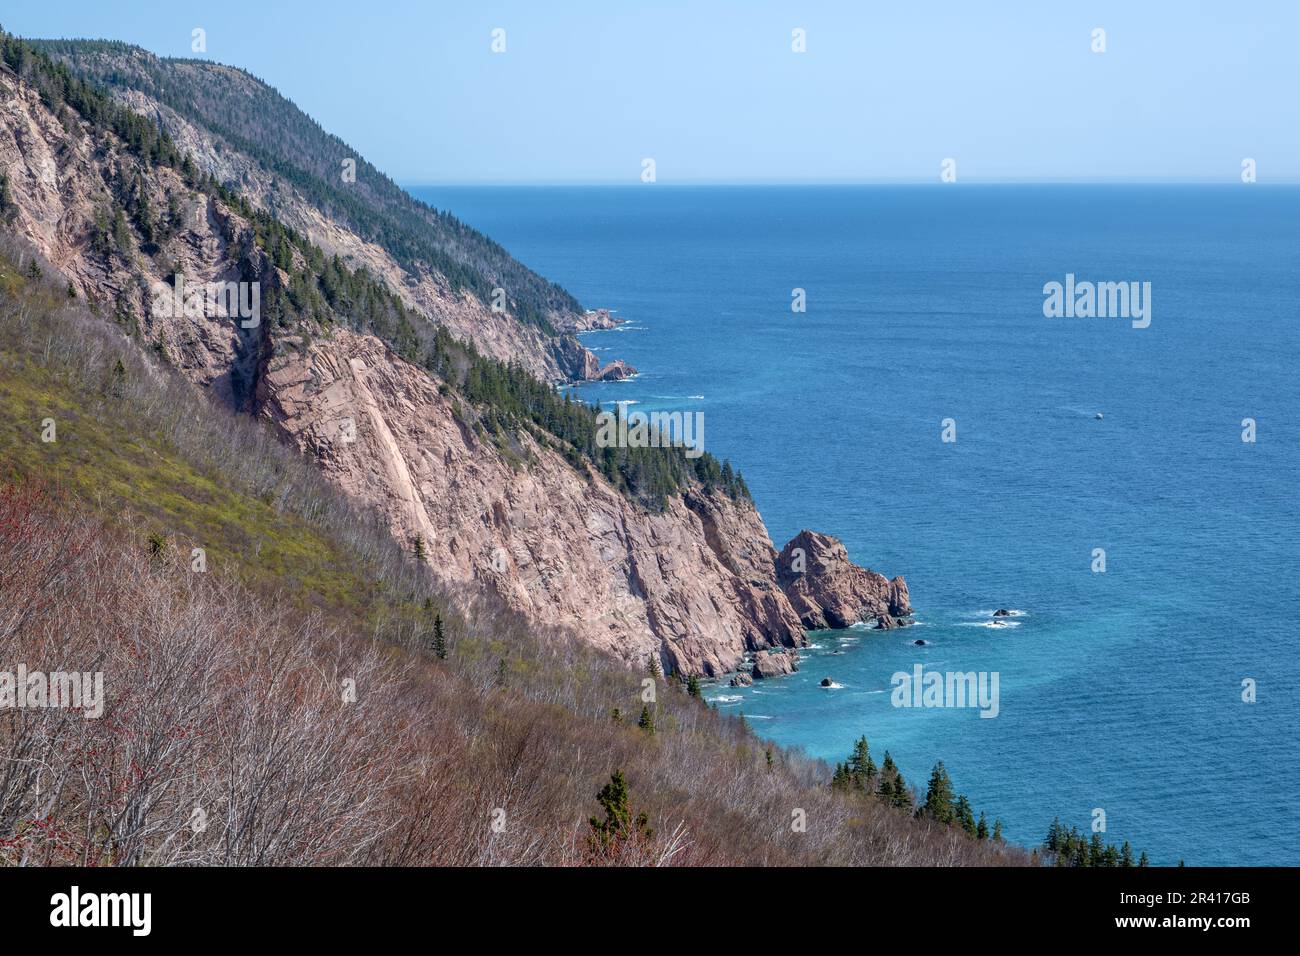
1119, 690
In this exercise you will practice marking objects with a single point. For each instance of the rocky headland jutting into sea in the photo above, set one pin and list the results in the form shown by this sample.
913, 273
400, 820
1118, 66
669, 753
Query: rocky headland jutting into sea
365, 294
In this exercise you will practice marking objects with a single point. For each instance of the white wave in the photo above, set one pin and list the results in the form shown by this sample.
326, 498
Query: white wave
728, 698
831, 686
996, 623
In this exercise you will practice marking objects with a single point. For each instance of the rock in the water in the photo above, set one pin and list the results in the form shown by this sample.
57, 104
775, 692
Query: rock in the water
775, 664
826, 682
827, 590
1001, 612
741, 680
885, 622
920, 643
615, 371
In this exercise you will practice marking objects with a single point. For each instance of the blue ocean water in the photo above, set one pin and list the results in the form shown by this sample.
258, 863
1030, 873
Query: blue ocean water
1119, 690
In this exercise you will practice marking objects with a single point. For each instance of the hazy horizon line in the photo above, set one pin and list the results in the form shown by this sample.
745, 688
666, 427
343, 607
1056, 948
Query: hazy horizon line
611, 183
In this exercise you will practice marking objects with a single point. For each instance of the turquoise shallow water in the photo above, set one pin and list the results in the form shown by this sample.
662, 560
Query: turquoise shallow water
1119, 690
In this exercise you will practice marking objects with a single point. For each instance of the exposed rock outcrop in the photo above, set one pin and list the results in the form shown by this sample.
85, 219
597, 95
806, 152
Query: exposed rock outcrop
775, 664
697, 583
827, 590
616, 371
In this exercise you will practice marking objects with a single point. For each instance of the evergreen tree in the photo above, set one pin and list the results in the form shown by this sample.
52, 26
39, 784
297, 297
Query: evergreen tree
1055, 836
654, 666
1143, 861
647, 720
1096, 850
417, 548
617, 716
1126, 855
997, 831
902, 797
619, 824
938, 804
439, 639
982, 828
861, 767
964, 815
693, 687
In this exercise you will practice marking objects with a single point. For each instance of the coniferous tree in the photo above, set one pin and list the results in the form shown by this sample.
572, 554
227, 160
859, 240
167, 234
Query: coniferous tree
861, 767
693, 686
1126, 855
982, 828
439, 639
619, 824
997, 831
1096, 850
938, 804
1142, 860
647, 720
964, 815
417, 548
902, 796
654, 666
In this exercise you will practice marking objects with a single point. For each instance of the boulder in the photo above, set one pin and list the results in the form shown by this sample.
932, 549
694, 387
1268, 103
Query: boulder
776, 663
826, 682
741, 680
1001, 612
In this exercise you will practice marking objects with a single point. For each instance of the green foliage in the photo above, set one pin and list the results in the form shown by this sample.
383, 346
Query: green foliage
7, 206
619, 825
1069, 848
439, 639
939, 802
693, 687
647, 720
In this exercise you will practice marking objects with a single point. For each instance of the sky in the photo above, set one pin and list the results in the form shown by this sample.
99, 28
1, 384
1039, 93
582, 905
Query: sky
584, 92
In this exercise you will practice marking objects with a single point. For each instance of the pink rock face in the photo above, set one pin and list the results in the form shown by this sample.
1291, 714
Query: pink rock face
827, 590
616, 371
694, 584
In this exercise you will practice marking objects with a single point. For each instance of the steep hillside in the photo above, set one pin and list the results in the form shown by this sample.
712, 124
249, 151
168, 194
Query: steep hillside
291, 701
251, 139
497, 482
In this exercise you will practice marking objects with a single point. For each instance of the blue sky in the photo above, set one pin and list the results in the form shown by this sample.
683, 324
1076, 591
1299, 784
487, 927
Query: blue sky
1010, 89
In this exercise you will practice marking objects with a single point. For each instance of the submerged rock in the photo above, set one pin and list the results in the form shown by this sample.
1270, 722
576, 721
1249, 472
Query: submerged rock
826, 682
1001, 612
